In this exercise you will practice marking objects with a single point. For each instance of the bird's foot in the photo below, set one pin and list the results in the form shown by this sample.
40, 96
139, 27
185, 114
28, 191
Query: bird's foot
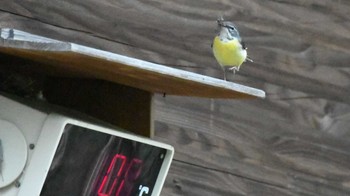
234, 69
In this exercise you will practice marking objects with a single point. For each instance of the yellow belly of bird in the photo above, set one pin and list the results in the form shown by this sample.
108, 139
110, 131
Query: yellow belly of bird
228, 53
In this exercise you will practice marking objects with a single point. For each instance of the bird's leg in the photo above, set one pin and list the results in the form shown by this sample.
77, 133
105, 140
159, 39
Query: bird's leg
223, 70
224, 73
1, 160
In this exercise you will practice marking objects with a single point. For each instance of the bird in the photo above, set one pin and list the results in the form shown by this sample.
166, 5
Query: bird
228, 48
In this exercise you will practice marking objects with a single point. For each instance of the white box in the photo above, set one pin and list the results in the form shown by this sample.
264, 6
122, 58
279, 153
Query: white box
60, 155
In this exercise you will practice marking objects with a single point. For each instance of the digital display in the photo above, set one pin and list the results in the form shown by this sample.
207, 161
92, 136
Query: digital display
92, 163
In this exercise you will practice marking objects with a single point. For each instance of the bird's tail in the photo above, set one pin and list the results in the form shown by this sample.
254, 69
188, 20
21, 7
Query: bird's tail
249, 59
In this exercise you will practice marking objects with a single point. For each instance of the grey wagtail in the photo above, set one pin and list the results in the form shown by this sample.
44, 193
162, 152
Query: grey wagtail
228, 47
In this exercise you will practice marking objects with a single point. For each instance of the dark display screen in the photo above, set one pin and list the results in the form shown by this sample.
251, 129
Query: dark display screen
92, 163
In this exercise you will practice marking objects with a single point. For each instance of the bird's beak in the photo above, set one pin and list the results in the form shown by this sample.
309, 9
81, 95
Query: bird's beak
220, 21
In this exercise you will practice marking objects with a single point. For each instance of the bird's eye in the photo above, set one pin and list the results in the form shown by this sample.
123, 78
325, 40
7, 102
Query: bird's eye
231, 29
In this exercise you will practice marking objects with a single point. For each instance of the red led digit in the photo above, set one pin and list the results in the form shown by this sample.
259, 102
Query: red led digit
120, 188
131, 174
118, 181
134, 170
110, 180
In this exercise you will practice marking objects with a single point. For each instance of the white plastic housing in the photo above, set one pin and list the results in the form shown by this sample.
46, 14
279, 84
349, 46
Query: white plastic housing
44, 130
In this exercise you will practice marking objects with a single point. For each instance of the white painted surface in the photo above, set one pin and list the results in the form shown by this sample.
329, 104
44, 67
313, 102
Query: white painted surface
14, 147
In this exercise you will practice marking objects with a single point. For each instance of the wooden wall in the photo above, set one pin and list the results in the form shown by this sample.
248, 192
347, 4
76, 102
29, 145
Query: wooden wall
294, 142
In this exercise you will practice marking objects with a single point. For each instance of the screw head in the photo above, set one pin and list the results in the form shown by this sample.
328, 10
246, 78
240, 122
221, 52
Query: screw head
31, 146
17, 184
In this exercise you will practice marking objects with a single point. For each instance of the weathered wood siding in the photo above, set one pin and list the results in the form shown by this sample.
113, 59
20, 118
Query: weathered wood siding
295, 142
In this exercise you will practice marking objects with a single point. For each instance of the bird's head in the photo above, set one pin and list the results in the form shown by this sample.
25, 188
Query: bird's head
227, 29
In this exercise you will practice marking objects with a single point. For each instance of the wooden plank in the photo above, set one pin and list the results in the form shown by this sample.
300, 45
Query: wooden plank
189, 179
280, 156
120, 69
289, 54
